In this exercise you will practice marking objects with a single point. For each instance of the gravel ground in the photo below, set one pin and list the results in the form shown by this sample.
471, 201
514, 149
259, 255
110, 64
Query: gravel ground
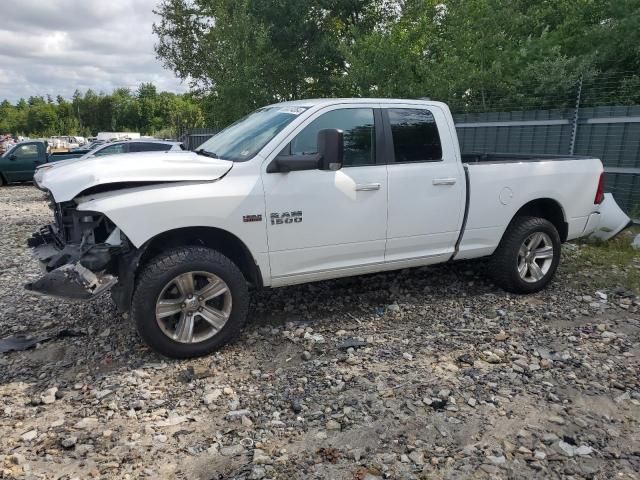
424, 373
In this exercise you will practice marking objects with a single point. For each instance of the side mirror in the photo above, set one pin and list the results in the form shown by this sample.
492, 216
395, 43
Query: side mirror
13, 157
329, 156
331, 149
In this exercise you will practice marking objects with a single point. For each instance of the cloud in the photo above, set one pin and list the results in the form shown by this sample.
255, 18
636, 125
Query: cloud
56, 47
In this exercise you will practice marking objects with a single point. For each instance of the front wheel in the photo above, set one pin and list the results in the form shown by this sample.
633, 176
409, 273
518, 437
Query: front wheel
528, 255
189, 302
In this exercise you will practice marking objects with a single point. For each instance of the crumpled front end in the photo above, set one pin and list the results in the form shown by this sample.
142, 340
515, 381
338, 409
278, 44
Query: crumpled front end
78, 254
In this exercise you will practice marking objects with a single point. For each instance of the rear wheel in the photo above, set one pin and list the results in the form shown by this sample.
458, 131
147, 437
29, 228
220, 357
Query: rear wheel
528, 255
2, 181
189, 302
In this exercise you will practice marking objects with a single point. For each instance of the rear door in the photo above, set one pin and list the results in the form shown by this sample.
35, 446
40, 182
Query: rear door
323, 224
426, 185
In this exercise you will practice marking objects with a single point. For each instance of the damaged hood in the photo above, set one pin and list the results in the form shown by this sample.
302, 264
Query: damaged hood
66, 181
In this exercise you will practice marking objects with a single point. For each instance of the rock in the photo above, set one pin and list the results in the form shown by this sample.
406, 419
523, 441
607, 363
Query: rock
636, 242
260, 457
490, 357
407, 356
352, 343
314, 337
69, 442
501, 337
49, 396
257, 473
211, 397
497, 460
17, 459
29, 436
566, 448
583, 450
87, 423
83, 449
539, 455
171, 421
417, 457
232, 451
237, 414
202, 371
306, 355
246, 421
472, 402
393, 308
332, 425
557, 420
296, 406
465, 358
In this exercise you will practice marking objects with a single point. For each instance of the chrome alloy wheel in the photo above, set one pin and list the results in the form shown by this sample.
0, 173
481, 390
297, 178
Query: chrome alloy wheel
535, 257
193, 307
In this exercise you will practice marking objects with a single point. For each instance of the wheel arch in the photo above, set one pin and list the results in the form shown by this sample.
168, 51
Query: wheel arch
550, 210
217, 239
226, 243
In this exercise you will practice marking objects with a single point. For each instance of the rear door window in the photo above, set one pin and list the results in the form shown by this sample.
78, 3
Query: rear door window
415, 135
149, 147
112, 150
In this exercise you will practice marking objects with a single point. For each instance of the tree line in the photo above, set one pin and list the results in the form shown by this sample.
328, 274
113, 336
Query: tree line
476, 54
144, 110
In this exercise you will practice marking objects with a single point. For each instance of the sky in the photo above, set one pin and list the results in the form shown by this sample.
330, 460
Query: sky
57, 46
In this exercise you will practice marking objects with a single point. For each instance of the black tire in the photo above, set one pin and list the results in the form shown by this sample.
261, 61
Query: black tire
159, 271
503, 264
2, 181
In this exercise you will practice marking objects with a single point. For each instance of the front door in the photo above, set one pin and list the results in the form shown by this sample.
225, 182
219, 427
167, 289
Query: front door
323, 224
21, 162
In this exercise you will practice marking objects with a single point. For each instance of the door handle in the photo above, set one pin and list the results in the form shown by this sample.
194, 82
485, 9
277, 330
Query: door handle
368, 187
444, 181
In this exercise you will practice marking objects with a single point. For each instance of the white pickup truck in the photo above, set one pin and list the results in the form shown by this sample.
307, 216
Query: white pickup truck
298, 192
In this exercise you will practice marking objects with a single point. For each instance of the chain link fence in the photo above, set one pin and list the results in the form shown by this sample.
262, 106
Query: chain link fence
598, 116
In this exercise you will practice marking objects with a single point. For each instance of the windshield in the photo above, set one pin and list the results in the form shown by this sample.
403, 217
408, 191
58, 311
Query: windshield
245, 138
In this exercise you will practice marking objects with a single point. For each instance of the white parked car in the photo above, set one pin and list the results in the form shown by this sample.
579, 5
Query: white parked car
112, 148
299, 192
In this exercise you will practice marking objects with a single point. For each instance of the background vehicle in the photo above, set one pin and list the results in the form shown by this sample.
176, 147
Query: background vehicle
133, 146
19, 163
299, 192
112, 136
112, 148
66, 141
88, 147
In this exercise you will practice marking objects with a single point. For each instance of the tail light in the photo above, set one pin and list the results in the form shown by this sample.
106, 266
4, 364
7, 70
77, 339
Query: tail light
600, 192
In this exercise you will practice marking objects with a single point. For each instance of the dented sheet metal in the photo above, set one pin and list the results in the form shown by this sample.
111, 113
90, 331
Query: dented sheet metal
73, 281
18, 343
612, 219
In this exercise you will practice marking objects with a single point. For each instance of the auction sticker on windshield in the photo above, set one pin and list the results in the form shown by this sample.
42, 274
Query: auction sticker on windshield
292, 110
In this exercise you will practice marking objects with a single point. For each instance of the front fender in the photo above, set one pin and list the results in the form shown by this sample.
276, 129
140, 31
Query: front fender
143, 213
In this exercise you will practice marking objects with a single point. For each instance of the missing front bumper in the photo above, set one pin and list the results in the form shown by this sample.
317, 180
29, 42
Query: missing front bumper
73, 281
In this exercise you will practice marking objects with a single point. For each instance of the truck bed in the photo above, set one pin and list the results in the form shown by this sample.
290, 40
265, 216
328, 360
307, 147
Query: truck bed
483, 158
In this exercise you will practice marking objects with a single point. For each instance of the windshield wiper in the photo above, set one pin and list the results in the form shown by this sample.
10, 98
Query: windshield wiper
201, 151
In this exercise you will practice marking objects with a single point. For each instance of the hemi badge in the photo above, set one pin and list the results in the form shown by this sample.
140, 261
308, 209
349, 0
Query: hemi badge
252, 218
